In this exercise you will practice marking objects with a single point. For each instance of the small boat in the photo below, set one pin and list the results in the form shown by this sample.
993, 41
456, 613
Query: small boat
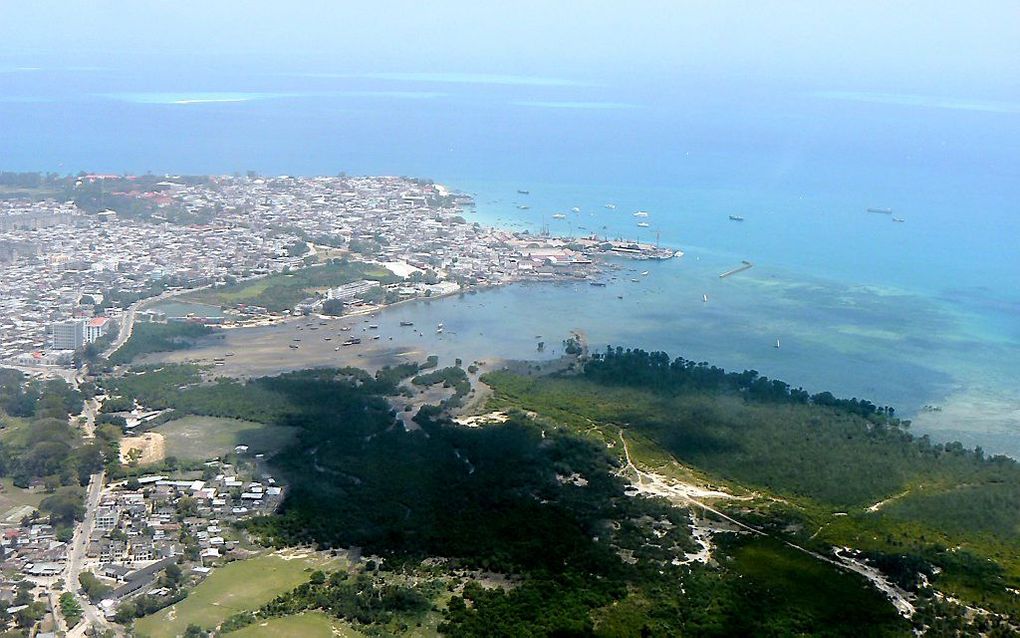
883, 211
898, 219
559, 216
439, 325
777, 344
643, 224
520, 192
635, 280
406, 323
644, 273
375, 338
439, 330
523, 207
599, 284
575, 209
641, 213
292, 347
611, 206
736, 218
704, 298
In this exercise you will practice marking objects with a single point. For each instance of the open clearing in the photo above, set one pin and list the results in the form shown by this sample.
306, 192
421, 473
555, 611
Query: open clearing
241, 585
147, 448
14, 501
199, 438
308, 625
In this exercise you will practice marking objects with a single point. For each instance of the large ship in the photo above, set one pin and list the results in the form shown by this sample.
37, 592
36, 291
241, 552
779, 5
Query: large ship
884, 211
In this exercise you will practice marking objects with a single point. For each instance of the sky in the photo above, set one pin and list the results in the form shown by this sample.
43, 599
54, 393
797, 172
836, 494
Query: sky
943, 47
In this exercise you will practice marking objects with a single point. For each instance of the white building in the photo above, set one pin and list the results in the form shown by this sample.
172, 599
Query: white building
68, 335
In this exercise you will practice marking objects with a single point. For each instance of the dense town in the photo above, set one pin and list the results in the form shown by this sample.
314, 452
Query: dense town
84, 264
72, 267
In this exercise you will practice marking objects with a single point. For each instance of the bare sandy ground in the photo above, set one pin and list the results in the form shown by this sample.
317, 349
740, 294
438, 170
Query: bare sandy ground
150, 446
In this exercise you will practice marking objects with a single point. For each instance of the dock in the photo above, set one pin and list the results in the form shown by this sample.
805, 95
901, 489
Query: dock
744, 265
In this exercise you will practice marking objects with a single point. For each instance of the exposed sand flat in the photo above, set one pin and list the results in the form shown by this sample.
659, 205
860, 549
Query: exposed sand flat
147, 448
482, 419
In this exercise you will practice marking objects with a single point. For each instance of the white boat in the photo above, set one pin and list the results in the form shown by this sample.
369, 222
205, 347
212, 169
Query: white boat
611, 206
644, 273
704, 298
641, 213
575, 209
643, 224
559, 216
777, 344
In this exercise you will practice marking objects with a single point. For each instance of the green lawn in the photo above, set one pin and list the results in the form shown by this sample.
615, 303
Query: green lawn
199, 438
309, 625
13, 498
282, 291
241, 585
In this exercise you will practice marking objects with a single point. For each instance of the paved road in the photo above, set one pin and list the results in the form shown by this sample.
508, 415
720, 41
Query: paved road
76, 555
127, 319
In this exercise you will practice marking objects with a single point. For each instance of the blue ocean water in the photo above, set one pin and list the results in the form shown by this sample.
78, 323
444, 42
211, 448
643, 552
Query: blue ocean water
924, 311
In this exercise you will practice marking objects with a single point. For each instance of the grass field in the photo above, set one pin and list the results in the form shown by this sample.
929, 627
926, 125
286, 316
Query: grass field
309, 625
201, 437
13, 498
241, 585
282, 291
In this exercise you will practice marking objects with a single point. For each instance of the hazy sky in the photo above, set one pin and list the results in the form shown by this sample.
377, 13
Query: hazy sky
933, 45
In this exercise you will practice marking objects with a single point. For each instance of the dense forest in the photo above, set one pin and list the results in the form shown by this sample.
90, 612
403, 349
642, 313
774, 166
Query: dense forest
843, 472
39, 445
527, 498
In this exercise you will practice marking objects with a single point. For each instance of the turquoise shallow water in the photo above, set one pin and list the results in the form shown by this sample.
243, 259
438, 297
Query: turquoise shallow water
927, 311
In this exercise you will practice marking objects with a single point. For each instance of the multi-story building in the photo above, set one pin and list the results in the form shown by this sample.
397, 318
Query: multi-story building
68, 335
96, 328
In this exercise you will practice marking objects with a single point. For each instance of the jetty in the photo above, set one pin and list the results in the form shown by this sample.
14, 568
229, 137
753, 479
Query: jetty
744, 265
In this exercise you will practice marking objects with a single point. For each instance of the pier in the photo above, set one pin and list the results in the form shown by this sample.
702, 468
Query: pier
744, 265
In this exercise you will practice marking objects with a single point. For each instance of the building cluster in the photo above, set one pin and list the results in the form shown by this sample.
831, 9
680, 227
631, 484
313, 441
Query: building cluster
142, 525
63, 265
32, 549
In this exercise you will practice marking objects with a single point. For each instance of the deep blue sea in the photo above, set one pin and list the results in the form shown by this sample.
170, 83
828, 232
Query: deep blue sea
926, 311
